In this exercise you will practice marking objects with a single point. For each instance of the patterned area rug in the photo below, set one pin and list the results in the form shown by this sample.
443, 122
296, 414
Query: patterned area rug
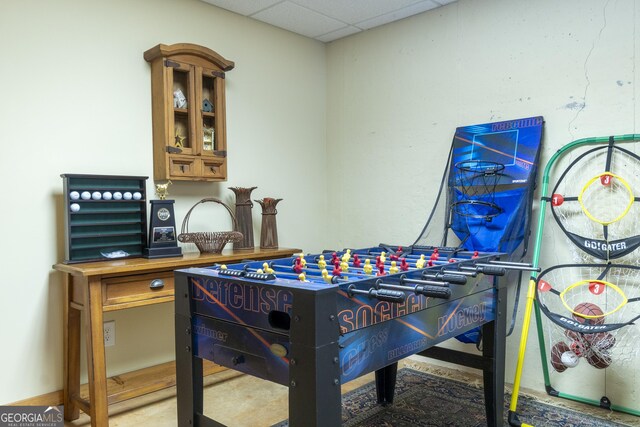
425, 400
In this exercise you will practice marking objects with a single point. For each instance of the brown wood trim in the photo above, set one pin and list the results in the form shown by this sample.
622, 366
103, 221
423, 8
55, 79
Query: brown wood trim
141, 303
54, 398
164, 51
122, 387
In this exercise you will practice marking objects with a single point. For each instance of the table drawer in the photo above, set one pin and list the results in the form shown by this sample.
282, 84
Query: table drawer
120, 290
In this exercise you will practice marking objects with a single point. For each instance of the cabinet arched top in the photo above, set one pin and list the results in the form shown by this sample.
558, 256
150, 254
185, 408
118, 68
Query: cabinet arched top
188, 50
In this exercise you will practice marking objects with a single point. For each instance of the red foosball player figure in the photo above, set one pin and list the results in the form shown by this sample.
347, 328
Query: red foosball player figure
297, 266
393, 257
452, 260
378, 262
435, 255
475, 255
404, 265
334, 257
336, 270
356, 261
380, 270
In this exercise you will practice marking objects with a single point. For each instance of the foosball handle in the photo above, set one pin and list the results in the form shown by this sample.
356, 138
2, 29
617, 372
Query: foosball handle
379, 294
387, 295
492, 271
433, 291
454, 279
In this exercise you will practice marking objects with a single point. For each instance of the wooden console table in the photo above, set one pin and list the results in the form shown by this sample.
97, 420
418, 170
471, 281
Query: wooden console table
95, 287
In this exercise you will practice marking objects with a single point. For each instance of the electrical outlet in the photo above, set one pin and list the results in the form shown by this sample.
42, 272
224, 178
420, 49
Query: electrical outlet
109, 333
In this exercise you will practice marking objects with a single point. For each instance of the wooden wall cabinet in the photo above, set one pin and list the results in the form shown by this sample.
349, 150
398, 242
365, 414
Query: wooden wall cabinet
188, 110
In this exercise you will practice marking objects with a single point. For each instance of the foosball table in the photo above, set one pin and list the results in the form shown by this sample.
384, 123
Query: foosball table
314, 322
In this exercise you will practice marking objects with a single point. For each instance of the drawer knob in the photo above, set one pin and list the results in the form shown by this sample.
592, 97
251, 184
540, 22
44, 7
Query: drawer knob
156, 284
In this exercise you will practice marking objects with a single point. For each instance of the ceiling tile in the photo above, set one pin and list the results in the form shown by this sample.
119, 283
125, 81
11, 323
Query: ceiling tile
243, 7
298, 19
335, 35
405, 12
352, 11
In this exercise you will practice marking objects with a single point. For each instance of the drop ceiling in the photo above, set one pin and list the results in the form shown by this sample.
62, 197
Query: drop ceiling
328, 20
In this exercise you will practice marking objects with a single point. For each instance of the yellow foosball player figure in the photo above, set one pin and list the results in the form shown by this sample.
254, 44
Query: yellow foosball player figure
267, 269
344, 266
368, 268
394, 268
326, 276
347, 256
322, 264
420, 263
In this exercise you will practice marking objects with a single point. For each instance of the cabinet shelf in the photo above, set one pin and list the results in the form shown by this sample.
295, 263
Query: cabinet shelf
185, 137
104, 234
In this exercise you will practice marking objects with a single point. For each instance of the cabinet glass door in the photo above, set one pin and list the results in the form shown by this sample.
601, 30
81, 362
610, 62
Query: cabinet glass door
181, 83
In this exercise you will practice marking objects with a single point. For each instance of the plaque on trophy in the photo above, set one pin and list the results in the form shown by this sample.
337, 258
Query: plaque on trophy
163, 239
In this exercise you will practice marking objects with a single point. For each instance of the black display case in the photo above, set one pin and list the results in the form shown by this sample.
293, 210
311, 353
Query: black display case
105, 217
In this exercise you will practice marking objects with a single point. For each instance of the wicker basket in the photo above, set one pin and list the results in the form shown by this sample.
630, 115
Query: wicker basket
213, 241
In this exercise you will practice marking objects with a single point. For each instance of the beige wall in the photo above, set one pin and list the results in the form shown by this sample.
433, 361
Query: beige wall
316, 125
397, 93
77, 99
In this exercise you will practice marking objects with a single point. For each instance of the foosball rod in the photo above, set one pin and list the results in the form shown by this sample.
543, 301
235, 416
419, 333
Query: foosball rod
296, 276
514, 265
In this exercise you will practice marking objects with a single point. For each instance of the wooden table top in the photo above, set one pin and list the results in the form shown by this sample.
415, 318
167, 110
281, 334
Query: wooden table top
189, 259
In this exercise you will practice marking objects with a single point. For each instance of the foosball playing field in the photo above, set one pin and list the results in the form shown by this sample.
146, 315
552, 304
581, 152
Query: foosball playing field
313, 322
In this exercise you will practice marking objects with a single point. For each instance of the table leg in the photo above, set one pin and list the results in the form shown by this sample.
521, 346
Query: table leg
493, 341
386, 383
71, 330
96, 368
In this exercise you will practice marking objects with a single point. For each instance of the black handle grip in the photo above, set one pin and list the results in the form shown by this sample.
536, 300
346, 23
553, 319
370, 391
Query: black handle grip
387, 295
434, 291
492, 271
455, 279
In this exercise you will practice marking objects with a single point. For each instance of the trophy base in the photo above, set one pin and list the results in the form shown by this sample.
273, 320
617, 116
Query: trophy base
162, 252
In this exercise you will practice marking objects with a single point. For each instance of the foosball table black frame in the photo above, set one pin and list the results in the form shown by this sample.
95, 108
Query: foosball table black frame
314, 333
